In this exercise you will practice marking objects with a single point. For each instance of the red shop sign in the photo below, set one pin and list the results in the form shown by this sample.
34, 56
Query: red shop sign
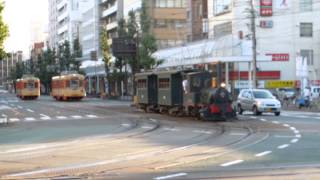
279, 57
265, 7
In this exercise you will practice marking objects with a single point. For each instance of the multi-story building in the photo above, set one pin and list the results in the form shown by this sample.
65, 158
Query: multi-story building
6, 65
286, 32
169, 20
64, 20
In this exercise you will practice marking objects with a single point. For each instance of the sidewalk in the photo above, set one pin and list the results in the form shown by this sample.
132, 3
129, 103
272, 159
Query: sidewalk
293, 107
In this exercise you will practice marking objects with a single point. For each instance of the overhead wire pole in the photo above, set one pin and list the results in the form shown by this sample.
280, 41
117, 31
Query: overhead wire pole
254, 45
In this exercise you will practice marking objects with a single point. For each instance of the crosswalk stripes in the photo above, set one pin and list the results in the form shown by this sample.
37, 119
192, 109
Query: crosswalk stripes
46, 118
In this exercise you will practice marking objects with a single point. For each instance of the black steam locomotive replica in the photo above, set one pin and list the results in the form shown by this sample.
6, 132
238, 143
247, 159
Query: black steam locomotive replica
183, 93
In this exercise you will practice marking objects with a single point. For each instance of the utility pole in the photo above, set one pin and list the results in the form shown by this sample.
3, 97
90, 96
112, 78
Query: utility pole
254, 44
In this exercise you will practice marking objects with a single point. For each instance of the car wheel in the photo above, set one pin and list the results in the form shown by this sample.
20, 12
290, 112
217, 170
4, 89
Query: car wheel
277, 113
255, 111
240, 110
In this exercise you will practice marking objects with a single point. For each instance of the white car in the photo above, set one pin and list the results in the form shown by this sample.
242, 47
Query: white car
258, 101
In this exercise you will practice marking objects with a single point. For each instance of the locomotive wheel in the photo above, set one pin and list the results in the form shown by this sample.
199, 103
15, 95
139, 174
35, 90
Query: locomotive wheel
240, 110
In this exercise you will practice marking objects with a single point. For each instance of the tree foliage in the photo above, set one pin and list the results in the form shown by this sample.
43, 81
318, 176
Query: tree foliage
4, 32
106, 55
147, 42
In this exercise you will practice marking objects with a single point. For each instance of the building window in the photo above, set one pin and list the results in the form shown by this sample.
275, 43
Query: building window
160, 23
307, 54
170, 3
306, 30
222, 29
305, 5
221, 6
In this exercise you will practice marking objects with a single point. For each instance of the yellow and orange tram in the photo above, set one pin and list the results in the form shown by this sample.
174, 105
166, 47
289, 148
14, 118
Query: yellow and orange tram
68, 87
28, 87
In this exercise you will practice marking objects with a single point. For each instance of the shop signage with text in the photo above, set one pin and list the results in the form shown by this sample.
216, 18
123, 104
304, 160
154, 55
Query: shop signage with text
279, 57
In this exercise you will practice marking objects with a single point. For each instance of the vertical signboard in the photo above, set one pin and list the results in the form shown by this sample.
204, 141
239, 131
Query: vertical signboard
265, 7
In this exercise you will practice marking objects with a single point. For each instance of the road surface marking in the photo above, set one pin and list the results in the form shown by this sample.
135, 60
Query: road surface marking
294, 140
238, 134
20, 107
263, 153
283, 146
296, 131
14, 120
231, 163
61, 117
202, 131
275, 122
30, 110
170, 176
125, 125
264, 120
153, 120
286, 125
147, 127
171, 129
301, 116
91, 116
253, 117
292, 128
76, 117
283, 136
298, 135
29, 119
45, 118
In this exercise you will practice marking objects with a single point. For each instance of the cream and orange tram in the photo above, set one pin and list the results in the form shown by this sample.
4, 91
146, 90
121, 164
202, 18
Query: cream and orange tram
68, 87
28, 87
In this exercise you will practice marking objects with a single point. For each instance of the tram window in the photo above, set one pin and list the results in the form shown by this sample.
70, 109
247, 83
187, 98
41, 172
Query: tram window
30, 85
142, 84
74, 83
195, 84
164, 83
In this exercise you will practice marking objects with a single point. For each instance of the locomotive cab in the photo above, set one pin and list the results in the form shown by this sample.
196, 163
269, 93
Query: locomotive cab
218, 104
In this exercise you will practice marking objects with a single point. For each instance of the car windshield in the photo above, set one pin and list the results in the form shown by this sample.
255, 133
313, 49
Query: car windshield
262, 95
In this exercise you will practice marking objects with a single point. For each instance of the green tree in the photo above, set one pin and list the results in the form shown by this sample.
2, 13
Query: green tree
105, 50
64, 56
4, 32
77, 53
147, 42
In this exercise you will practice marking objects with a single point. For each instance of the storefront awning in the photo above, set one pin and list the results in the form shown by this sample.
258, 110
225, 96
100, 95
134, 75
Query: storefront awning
226, 49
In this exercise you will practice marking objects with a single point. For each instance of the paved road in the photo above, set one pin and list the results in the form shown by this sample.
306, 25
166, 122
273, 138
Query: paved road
111, 140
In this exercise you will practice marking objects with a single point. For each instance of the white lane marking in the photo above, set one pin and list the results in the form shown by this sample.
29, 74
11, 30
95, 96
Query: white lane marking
153, 120
91, 116
298, 135
286, 125
294, 140
146, 127
264, 120
301, 116
280, 136
45, 117
296, 131
20, 107
292, 128
238, 134
317, 117
283, 146
76, 117
263, 153
231, 163
125, 125
170, 176
30, 110
171, 129
61, 117
253, 117
29, 119
14, 120
24, 149
202, 131
275, 122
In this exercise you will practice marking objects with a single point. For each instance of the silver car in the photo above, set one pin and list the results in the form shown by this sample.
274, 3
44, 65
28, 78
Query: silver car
258, 101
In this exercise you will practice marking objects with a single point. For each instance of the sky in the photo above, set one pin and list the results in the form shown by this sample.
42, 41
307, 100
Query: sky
21, 16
